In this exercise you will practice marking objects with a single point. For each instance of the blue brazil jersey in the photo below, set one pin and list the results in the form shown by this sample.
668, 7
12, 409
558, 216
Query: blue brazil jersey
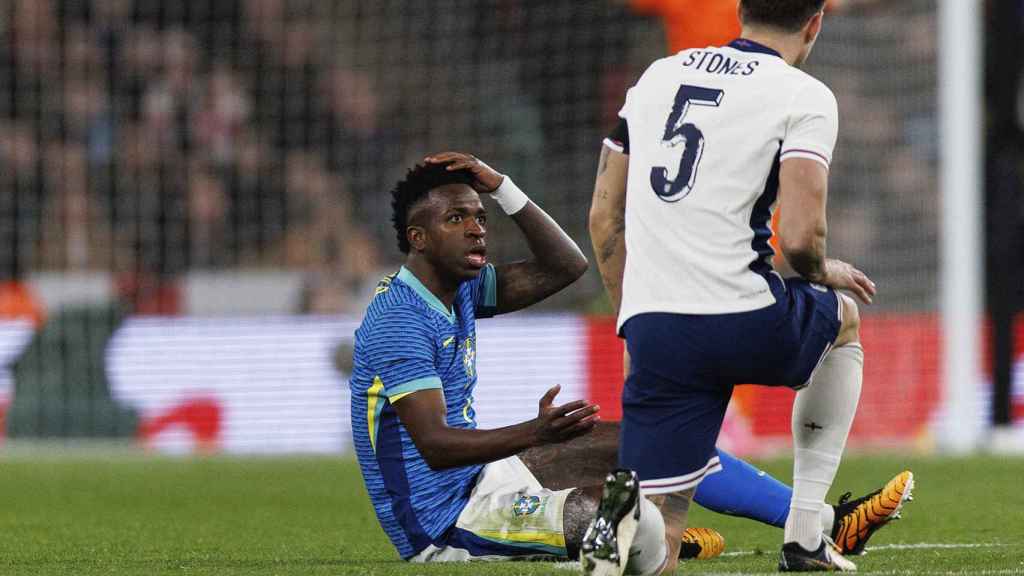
409, 341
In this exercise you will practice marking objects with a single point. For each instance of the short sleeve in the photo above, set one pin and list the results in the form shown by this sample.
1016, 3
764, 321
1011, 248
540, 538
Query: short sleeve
400, 349
813, 125
626, 105
485, 293
618, 139
632, 105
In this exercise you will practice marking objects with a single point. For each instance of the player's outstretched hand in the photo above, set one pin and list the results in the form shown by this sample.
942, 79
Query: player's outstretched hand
556, 424
843, 276
487, 178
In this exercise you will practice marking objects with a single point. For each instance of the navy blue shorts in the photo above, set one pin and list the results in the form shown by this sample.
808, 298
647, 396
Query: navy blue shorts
684, 367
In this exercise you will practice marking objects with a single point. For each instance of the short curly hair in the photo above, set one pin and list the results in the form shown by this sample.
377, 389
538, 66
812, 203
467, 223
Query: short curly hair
788, 15
418, 182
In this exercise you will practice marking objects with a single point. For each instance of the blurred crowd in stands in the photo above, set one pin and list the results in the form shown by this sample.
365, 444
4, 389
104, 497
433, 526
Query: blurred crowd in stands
150, 139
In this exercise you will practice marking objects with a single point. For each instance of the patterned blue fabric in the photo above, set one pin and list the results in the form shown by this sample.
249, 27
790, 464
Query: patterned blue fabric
744, 491
409, 341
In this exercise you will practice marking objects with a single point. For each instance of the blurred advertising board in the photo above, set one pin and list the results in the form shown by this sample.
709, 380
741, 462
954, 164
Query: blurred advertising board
278, 385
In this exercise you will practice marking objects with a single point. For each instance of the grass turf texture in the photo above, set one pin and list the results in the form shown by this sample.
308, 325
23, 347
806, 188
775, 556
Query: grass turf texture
141, 515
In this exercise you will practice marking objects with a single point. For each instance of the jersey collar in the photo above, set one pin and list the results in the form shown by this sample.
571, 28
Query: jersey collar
744, 45
433, 301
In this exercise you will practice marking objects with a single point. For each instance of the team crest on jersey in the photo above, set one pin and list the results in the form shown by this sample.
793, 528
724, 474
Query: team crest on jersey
525, 505
469, 357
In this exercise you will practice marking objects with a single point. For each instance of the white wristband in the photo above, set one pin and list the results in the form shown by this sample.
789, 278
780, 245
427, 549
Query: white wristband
509, 196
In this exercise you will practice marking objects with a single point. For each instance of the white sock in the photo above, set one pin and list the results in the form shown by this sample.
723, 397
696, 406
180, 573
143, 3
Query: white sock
822, 415
648, 551
828, 518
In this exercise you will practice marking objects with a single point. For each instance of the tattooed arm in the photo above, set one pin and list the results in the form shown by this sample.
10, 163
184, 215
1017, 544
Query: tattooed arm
556, 263
608, 221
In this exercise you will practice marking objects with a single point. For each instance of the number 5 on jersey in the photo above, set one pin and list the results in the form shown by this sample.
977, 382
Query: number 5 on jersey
689, 136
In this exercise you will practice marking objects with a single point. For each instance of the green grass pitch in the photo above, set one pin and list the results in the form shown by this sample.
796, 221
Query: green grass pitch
149, 515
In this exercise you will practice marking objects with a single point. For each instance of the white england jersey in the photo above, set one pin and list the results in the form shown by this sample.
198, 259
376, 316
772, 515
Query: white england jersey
707, 130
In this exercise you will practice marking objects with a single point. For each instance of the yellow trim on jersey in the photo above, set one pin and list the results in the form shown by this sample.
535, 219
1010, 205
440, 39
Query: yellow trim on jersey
374, 397
384, 285
465, 410
556, 539
398, 397
416, 385
448, 342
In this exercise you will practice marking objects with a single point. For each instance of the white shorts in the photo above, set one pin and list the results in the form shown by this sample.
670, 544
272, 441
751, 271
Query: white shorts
509, 516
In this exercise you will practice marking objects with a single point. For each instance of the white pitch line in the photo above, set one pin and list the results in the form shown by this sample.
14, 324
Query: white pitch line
1003, 572
914, 546
931, 545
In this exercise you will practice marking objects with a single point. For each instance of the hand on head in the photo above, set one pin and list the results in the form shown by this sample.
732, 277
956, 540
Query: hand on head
487, 178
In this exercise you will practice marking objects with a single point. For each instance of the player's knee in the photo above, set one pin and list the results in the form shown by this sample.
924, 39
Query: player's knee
647, 555
849, 331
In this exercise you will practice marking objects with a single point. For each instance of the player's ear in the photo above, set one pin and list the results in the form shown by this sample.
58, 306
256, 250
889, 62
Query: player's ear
813, 27
417, 237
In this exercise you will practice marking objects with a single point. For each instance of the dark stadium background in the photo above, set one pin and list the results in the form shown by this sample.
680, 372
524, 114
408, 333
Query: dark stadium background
194, 210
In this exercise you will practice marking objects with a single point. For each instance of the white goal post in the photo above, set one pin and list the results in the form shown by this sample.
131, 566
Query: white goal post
962, 258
